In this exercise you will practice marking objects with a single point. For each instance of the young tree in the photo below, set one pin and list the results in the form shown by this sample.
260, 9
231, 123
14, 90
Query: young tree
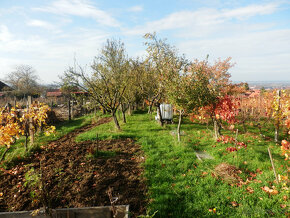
161, 60
214, 86
134, 94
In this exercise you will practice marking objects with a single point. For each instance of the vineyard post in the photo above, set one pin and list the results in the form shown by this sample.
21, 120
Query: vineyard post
69, 110
14, 102
272, 162
278, 113
97, 144
179, 124
82, 105
237, 132
31, 132
72, 108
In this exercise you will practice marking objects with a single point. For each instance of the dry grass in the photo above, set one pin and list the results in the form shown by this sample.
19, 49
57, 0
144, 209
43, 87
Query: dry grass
227, 173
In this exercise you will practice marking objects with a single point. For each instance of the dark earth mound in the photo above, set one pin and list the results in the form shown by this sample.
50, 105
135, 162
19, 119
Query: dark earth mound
69, 174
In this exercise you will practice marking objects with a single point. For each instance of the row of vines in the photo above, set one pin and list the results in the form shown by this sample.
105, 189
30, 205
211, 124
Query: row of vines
16, 122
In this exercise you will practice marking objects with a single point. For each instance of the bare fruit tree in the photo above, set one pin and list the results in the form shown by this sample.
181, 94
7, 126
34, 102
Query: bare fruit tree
107, 82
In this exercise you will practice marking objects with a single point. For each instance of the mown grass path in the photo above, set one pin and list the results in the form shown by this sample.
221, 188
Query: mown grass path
182, 186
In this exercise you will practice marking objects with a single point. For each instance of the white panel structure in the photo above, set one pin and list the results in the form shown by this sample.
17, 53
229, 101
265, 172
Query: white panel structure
166, 112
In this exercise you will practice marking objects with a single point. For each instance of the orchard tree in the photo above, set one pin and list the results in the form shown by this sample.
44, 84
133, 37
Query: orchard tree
182, 91
109, 78
162, 58
214, 86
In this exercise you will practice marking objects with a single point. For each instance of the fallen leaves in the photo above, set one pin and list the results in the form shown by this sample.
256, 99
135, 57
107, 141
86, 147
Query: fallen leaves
234, 204
269, 190
250, 190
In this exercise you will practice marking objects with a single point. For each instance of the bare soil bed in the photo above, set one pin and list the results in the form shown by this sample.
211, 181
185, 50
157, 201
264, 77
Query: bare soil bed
73, 175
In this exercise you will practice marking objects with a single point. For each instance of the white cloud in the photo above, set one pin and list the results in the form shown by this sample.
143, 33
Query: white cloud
82, 8
251, 10
50, 56
259, 55
206, 17
5, 34
40, 23
137, 8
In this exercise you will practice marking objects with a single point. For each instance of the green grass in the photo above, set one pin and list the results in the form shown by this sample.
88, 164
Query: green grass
182, 186
17, 150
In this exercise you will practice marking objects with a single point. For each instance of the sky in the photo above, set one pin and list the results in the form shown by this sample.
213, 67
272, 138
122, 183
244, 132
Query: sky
49, 34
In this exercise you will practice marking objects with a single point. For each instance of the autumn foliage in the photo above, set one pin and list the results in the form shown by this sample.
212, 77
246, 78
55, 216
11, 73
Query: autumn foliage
16, 122
225, 109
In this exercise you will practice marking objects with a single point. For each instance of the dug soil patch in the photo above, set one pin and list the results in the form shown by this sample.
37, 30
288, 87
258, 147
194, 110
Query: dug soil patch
69, 174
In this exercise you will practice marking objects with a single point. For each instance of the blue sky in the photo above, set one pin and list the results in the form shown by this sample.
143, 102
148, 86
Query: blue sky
48, 34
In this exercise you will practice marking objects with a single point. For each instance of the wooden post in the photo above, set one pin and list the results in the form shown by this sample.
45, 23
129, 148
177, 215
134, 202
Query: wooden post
272, 162
31, 128
179, 124
82, 106
72, 109
237, 132
278, 121
69, 110
14, 103
97, 144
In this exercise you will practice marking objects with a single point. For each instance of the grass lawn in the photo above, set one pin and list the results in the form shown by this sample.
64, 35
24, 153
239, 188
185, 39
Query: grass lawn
180, 185
17, 150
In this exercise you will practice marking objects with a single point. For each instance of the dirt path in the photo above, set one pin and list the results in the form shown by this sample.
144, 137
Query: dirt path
73, 177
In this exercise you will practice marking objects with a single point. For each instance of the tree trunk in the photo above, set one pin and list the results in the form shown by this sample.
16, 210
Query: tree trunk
123, 112
4, 154
143, 105
130, 109
179, 124
116, 120
150, 107
216, 129
277, 134
244, 126
159, 114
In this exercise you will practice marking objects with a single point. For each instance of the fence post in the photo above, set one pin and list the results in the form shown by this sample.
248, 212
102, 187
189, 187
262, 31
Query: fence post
69, 110
278, 121
72, 109
14, 102
31, 131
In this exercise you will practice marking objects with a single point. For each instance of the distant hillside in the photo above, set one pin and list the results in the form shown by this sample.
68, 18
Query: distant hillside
268, 84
